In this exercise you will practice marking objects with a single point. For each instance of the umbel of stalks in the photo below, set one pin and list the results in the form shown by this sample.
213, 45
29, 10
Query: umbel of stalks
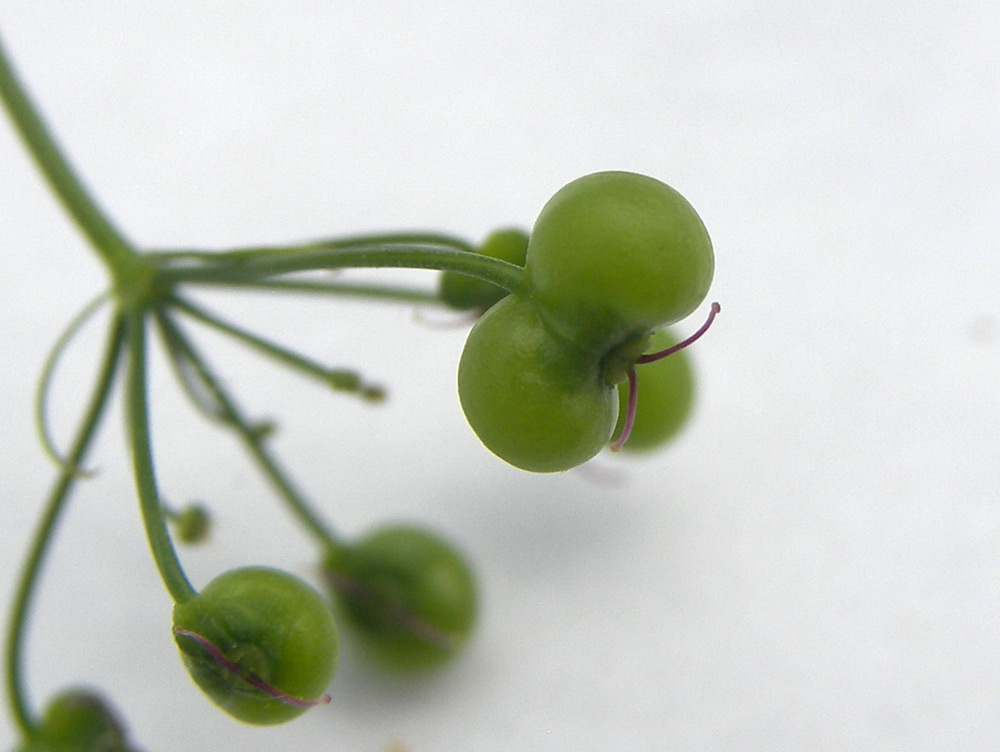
261, 644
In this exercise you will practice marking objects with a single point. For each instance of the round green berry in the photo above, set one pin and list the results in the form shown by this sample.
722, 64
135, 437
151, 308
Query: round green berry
614, 255
78, 720
534, 399
261, 643
665, 399
407, 593
193, 523
469, 293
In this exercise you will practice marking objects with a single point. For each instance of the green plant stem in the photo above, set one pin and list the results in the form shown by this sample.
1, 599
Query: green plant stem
435, 239
137, 424
110, 244
192, 385
254, 440
341, 379
388, 293
239, 266
45, 382
43, 536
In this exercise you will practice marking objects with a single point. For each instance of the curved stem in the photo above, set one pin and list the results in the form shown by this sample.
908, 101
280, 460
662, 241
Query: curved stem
137, 424
43, 536
228, 268
45, 382
110, 244
254, 440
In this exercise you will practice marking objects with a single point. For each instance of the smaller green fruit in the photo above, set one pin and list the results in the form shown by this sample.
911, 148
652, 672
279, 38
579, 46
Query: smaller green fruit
261, 643
471, 294
79, 720
665, 399
408, 594
193, 523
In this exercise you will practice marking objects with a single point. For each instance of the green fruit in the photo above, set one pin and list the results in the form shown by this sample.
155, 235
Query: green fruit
534, 399
193, 523
276, 639
666, 396
407, 593
469, 293
614, 255
78, 720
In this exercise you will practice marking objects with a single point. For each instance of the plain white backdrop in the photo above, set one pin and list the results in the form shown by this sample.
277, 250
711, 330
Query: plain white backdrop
815, 565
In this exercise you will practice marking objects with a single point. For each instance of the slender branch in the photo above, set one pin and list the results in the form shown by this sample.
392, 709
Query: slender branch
270, 263
45, 382
110, 244
436, 239
137, 424
336, 378
43, 536
191, 385
341, 289
252, 439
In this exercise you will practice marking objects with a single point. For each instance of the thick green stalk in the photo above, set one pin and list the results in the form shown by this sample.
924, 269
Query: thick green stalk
110, 244
43, 537
137, 424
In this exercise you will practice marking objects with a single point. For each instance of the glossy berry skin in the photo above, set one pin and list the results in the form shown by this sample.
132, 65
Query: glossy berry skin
272, 625
78, 720
467, 293
614, 255
408, 595
666, 397
534, 399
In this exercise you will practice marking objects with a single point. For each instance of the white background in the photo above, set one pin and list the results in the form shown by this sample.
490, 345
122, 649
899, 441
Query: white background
815, 565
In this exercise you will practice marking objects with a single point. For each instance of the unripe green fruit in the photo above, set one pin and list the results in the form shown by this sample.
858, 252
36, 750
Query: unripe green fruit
533, 399
614, 255
78, 720
469, 293
274, 627
666, 397
408, 594
193, 523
